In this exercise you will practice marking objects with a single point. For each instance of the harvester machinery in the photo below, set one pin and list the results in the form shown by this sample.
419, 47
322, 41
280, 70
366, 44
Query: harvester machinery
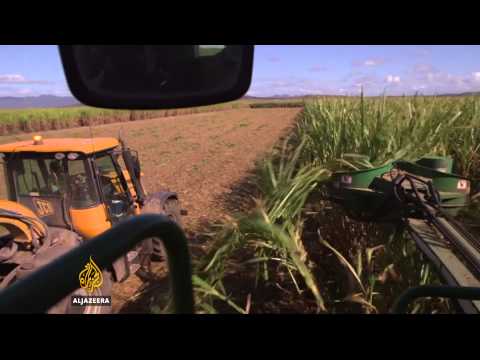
424, 198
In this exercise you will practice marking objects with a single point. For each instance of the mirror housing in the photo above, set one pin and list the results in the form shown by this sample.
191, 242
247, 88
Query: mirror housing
157, 76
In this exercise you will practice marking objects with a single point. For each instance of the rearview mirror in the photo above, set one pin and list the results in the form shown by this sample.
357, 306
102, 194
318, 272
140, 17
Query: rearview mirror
157, 76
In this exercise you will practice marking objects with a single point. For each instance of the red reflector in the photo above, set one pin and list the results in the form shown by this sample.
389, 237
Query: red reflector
463, 185
346, 179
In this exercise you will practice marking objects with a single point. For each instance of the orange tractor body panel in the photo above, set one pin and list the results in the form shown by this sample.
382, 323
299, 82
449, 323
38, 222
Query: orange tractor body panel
90, 222
85, 146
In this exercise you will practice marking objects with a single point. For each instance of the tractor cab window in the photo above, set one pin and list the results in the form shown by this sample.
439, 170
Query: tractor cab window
82, 190
112, 186
39, 177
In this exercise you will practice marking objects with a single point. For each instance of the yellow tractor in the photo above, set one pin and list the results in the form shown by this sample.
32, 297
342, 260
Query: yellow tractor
62, 192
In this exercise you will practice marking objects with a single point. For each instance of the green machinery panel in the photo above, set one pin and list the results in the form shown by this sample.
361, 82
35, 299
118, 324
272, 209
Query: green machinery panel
365, 192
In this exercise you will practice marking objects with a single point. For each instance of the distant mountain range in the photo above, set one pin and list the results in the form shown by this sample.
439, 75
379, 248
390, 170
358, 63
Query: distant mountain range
42, 101
52, 101
476, 93
276, 97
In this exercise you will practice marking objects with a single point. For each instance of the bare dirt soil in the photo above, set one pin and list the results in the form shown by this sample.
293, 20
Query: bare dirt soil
203, 157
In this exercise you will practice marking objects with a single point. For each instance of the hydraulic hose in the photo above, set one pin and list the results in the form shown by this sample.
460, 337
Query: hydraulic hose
38, 227
449, 292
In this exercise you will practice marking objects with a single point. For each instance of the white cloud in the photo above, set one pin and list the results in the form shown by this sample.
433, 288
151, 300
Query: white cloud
431, 76
369, 62
24, 91
15, 91
419, 87
274, 59
423, 68
19, 79
424, 52
423, 77
392, 79
317, 68
295, 86
431, 80
12, 78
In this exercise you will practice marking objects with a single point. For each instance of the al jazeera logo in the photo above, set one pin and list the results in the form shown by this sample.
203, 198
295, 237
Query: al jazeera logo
91, 280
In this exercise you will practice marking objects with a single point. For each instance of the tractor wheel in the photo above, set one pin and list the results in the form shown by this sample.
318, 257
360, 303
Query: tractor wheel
172, 210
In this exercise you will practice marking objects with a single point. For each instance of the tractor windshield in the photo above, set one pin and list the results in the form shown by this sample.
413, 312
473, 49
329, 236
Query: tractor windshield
49, 177
39, 177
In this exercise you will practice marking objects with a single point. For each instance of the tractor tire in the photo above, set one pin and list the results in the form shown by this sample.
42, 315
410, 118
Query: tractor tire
172, 210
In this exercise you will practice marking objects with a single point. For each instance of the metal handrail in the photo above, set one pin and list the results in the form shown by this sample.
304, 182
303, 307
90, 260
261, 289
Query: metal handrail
53, 282
449, 292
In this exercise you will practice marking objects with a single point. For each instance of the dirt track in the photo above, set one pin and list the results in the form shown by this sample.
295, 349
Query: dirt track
203, 157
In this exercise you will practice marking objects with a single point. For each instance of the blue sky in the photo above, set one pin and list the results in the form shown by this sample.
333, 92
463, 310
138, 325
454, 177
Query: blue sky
27, 70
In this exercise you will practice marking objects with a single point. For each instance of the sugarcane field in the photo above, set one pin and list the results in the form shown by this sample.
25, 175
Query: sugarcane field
355, 192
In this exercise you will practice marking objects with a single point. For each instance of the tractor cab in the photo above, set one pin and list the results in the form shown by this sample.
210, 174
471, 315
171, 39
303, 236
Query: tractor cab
85, 185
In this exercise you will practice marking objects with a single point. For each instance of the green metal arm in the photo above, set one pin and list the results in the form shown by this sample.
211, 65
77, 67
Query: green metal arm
53, 282
449, 292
